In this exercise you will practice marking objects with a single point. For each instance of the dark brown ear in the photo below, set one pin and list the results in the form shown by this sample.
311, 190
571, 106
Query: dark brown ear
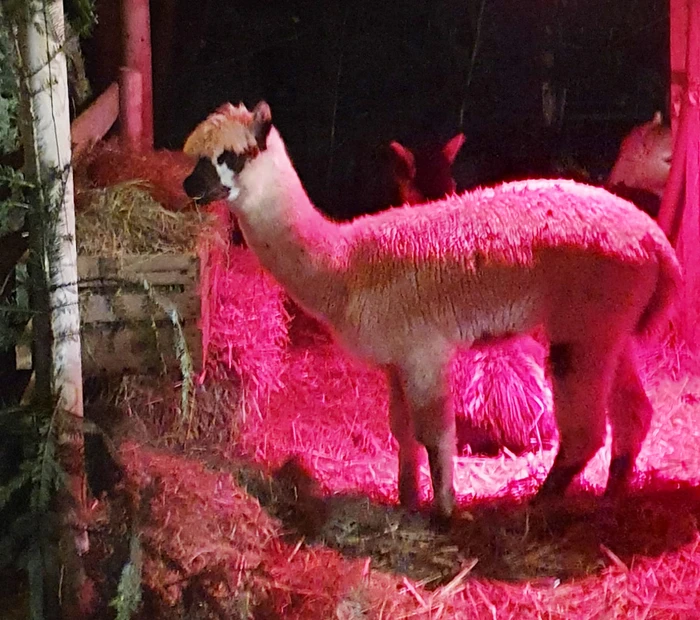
262, 122
451, 149
404, 159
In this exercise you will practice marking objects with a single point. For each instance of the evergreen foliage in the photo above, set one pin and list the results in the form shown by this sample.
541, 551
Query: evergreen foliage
31, 473
9, 139
128, 596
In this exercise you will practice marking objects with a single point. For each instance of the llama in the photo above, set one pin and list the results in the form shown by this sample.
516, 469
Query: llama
423, 174
500, 394
643, 165
401, 288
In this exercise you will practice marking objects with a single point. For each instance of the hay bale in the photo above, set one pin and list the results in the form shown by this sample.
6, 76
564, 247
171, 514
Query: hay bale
502, 398
125, 238
127, 326
243, 316
197, 527
162, 172
133, 203
125, 219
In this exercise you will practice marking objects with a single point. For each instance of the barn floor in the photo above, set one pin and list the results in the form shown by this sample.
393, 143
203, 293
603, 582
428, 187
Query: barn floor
229, 525
288, 509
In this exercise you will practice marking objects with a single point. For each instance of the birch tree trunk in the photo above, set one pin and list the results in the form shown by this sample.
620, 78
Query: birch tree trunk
45, 128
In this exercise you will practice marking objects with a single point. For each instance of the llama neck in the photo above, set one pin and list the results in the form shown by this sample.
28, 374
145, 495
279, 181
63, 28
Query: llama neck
293, 241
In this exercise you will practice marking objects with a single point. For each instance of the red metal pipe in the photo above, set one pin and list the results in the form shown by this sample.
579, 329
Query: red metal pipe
131, 109
136, 29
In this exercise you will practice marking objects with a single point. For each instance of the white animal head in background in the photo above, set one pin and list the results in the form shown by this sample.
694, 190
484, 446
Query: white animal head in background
424, 174
223, 144
644, 160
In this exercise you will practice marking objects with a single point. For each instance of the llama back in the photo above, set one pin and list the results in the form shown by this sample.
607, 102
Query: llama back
510, 224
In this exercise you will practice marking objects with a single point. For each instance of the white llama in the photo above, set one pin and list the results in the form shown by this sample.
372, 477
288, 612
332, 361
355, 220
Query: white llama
401, 288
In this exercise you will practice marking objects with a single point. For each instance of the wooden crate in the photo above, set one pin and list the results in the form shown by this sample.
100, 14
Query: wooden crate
127, 329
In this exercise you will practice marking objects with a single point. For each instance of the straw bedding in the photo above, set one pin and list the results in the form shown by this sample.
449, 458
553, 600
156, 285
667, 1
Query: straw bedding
283, 502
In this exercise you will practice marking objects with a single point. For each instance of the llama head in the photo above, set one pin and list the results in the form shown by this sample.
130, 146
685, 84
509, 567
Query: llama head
223, 144
644, 160
424, 174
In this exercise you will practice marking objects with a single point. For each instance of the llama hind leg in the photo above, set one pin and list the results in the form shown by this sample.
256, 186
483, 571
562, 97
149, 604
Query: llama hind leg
630, 413
409, 448
581, 382
434, 424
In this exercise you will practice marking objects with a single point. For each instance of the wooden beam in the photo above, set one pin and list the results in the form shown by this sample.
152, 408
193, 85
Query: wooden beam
94, 123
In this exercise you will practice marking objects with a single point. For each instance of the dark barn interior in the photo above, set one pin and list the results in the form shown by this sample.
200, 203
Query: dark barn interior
346, 78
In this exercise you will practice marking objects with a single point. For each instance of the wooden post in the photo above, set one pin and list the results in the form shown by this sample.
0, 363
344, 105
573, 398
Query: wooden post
131, 103
679, 216
136, 23
678, 53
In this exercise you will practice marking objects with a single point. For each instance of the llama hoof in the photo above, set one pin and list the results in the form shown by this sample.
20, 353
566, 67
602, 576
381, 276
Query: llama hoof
441, 514
440, 522
414, 520
545, 495
620, 473
557, 481
409, 500
547, 501
542, 503
539, 499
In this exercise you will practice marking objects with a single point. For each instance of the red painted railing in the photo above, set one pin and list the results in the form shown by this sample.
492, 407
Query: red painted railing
130, 100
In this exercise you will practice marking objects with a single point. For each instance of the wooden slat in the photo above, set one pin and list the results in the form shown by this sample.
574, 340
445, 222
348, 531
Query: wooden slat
126, 307
157, 279
158, 269
117, 315
133, 349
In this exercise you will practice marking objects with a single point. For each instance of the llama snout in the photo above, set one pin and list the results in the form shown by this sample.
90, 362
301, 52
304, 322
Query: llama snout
203, 183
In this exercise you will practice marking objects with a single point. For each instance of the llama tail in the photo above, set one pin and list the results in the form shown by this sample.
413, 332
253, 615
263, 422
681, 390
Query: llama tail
668, 288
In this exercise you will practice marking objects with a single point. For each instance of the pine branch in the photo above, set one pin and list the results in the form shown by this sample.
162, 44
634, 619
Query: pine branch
128, 596
17, 482
19, 533
181, 349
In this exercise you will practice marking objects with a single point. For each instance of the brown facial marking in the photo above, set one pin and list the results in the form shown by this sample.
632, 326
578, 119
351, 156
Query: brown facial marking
203, 183
234, 161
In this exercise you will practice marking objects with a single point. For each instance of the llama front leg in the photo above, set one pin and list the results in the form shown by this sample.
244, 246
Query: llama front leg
434, 425
409, 449
630, 413
439, 443
581, 378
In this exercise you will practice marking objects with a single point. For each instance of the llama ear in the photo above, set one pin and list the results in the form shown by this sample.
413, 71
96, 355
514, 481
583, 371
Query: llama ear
658, 118
225, 108
262, 122
405, 160
451, 149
